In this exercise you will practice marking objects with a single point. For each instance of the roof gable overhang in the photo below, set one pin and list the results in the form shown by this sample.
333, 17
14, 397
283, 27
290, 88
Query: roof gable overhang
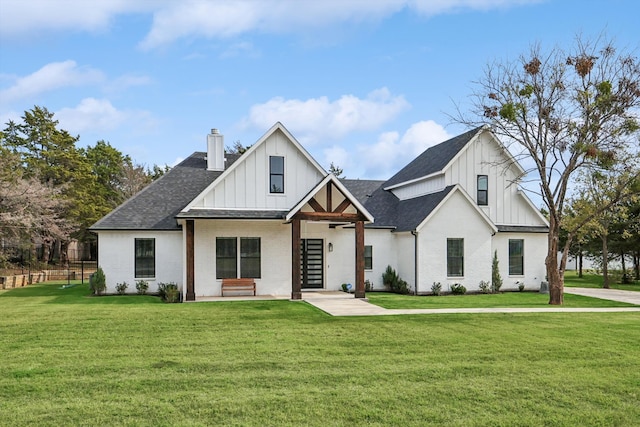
326, 211
474, 208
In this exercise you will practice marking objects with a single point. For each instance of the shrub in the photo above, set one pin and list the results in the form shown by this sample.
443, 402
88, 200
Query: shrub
520, 286
436, 288
458, 289
485, 287
368, 286
390, 278
169, 292
344, 287
402, 287
142, 286
121, 288
98, 282
496, 279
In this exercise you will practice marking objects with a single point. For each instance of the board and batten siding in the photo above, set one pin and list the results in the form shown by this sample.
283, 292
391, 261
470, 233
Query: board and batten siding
420, 188
485, 157
246, 186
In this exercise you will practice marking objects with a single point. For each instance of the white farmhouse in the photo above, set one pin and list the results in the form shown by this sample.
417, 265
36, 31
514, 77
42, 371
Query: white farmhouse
274, 215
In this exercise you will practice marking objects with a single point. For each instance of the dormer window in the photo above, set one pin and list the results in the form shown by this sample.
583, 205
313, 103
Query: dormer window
276, 174
483, 190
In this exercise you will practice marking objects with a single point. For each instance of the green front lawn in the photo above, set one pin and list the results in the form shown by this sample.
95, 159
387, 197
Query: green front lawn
590, 280
506, 299
70, 359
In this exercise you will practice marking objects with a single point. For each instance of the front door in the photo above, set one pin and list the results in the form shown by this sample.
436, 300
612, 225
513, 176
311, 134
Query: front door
312, 263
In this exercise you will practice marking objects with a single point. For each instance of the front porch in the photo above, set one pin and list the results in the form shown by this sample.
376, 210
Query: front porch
305, 296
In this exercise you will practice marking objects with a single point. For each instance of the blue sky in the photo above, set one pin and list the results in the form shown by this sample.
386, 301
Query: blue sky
367, 84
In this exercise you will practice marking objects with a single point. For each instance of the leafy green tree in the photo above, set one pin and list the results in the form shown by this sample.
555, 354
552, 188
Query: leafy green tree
336, 170
565, 111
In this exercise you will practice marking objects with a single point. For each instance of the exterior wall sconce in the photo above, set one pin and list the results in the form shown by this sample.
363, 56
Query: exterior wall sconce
330, 247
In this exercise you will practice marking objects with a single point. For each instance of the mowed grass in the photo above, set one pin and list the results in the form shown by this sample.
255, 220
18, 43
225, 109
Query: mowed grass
590, 280
70, 359
506, 299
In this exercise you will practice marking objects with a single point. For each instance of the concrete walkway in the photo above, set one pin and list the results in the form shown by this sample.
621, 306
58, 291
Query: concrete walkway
342, 304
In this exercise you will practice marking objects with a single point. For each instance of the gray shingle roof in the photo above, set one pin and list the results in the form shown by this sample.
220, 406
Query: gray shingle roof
156, 206
433, 159
361, 189
402, 215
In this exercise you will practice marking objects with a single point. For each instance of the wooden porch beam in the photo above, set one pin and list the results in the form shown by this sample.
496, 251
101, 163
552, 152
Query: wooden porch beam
316, 205
360, 293
191, 294
296, 279
329, 202
342, 206
329, 216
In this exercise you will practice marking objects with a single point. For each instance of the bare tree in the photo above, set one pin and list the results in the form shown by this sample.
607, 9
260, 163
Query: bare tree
565, 111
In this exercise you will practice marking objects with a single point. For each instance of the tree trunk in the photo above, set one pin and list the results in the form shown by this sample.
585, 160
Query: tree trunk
555, 275
605, 262
580, 262
636, 264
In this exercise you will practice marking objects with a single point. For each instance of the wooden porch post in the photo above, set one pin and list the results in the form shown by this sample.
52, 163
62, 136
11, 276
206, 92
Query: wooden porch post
191, 294
296, 292
360, 259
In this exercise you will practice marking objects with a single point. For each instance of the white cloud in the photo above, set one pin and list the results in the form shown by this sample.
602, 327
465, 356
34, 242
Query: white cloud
173, 20
100, 115
392, 152
52, 76
20, 18
320, 118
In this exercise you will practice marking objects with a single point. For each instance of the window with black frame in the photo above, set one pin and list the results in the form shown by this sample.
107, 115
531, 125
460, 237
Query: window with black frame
483, 190
276, 174
516, 257
455, 257
145, 258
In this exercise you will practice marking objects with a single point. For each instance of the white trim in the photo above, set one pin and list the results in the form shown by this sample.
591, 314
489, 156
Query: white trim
422, 178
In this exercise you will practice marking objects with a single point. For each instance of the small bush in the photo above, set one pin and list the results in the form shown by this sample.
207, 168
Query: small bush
520, 286
496, 278
121, 288
142, 286
368, 286
458, 289
402, 287
485, 287
436, 289
169, 292
344, 287
390, 278
98, 282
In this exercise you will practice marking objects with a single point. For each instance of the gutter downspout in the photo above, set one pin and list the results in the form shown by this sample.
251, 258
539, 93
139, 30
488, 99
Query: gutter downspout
415, 261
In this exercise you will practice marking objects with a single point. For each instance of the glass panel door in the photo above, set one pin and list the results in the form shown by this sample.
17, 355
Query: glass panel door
312, 263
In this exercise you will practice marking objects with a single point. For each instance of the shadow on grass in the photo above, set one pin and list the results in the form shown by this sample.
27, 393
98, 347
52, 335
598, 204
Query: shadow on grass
60, 292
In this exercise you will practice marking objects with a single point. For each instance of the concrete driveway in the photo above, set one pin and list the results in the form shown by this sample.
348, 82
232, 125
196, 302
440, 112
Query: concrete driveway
631, 297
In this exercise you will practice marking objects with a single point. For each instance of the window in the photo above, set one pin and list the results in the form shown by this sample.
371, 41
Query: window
250, 257
516, 257
455, 257
145, 262
276, 174
227, 262
483, 190
368, 257
226, 255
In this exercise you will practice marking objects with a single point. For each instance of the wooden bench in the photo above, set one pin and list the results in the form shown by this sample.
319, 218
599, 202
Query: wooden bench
238, 285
